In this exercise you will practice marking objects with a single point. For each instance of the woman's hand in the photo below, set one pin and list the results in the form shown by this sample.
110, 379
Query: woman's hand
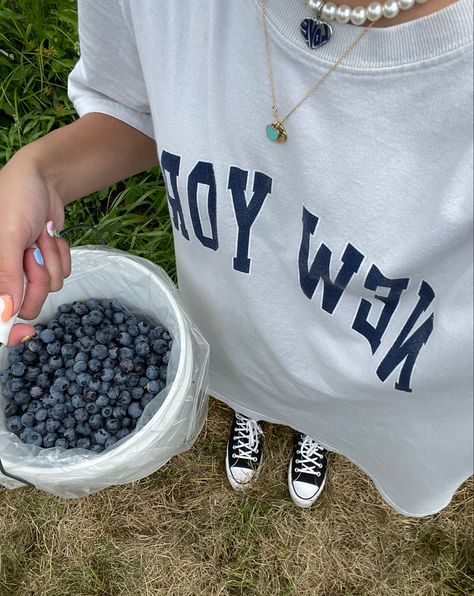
30, 211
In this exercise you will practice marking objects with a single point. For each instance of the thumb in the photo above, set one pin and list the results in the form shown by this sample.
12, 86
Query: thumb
11, 279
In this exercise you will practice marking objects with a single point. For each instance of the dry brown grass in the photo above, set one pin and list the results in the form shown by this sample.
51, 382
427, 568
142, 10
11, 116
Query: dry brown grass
183, 532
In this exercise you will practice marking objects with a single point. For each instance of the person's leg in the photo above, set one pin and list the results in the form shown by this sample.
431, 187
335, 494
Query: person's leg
244, 452
307, 470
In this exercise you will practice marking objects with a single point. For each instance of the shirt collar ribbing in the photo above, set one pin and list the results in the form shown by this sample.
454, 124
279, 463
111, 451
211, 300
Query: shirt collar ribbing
415, 41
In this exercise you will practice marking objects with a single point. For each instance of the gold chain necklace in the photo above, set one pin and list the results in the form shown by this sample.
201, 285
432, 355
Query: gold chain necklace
276, 131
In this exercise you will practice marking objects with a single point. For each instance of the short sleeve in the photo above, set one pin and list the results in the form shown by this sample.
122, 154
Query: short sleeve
108, 77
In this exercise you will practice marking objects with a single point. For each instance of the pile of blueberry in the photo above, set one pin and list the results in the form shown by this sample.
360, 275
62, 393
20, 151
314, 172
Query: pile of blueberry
84, 379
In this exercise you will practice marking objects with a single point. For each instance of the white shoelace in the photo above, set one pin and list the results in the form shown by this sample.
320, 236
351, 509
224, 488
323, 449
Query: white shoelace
310, 452
246, 438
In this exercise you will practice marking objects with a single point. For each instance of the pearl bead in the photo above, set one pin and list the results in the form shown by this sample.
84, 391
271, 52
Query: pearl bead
358, 15
406, 4
343, 14
328, 11
390, 9
374, 11
315, 4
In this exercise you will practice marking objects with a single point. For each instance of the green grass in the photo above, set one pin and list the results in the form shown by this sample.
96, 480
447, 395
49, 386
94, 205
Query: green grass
181, 531
38, 48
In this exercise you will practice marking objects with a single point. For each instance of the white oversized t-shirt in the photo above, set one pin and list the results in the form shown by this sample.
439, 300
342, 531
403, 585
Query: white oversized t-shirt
331, 274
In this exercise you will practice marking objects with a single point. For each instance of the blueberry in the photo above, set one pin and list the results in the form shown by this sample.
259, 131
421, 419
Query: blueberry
81, 356
159, 346
64, 308
84, 429
47, 336
163, 373
89, 395
70, 375
118, 318
126, 366
18, 369
54, 348
99, 351
134, 410
52, 425
35, 345
110, 441
81, 415
132, 329
91, 408
113, 352
42, 380
113, 424
144, 327
166, 335
68, 338
83, 379
17, 384
41, 414
166, 357
59, 411
153, 387
120, 378
94, 384
106, 411
21, 398
36, 392
80, 366
69, 421
153, 373
79, 308
40, 427
32, 373
77, 402
101, 436
97, 448
113, 393
70, 434
128, 422
11, 410
124, 399
68, 351
107, 374
124, 339
137, 392
94, 365
50, 440
93, 303
89, 334
14, 424
60, 384
83, 443
143, 348
96, 421
55, 362
61, 442
119, 412
32, 437
102, 401
103, 336
95, 317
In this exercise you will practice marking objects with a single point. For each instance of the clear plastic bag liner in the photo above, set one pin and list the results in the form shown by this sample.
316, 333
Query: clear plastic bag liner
169, 424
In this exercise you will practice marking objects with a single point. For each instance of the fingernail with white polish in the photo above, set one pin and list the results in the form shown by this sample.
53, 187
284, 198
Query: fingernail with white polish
6, 307
51, 229
38, 255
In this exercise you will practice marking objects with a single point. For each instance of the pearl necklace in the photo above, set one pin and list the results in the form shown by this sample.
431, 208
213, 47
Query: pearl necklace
317, 32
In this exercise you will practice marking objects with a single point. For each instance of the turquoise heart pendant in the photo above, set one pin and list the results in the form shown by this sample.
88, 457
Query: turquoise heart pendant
276, 132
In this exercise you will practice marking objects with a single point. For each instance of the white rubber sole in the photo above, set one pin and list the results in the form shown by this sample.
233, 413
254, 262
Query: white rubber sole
297, 500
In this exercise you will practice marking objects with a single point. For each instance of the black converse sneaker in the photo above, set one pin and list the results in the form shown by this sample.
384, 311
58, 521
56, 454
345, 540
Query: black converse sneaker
244, 452
307, 470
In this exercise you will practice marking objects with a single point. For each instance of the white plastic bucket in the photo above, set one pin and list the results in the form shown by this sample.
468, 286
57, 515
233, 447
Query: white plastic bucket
171, 421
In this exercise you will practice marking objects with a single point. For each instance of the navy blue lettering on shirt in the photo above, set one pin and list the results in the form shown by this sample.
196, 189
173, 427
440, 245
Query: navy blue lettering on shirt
249, 193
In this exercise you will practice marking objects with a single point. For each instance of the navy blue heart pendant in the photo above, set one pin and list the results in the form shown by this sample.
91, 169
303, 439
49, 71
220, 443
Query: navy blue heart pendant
315, 33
